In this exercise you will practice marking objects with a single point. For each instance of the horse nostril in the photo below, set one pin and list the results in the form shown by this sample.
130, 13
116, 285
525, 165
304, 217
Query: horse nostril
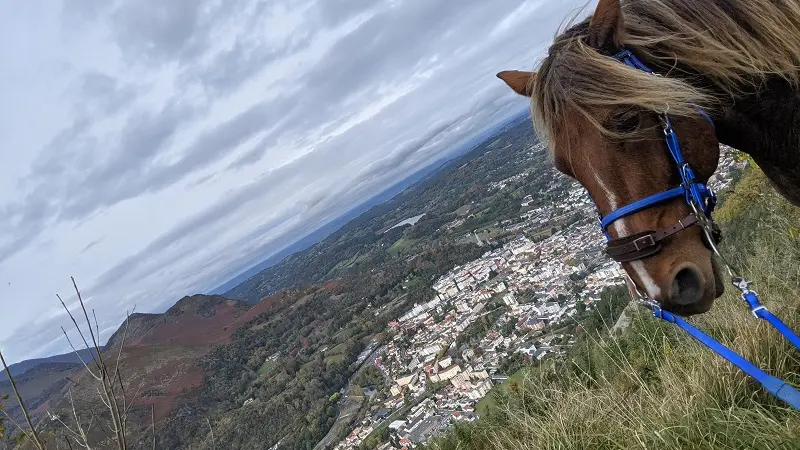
687, 287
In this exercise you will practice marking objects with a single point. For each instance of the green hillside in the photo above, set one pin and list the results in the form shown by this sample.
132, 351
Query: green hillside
650, 385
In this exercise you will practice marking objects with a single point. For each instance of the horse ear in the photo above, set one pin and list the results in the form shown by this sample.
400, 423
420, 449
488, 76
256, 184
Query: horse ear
606, 26
521, 82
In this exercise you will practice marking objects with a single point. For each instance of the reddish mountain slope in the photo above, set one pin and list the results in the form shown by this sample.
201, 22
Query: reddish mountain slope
37, 386
159, 361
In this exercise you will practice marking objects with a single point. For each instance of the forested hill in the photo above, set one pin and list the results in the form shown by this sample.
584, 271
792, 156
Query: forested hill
361, 242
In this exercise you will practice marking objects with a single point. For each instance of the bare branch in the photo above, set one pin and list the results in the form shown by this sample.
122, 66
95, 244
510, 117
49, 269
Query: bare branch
16, 424
52, 416
86, 315
108, 395
79, 355
96, 326
103, 399
77, 420
75, 435
133, 399
124, 337
153, 421
213, 443
33, 433
75, 322
102, 428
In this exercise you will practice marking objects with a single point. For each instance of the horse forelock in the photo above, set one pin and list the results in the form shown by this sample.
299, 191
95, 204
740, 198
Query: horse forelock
711, 49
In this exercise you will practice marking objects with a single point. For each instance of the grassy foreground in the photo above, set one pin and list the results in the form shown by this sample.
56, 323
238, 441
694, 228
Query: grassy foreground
651, 386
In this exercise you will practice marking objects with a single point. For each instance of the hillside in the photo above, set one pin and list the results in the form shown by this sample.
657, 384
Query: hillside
652, 386
160, 363
27, 365
38, 385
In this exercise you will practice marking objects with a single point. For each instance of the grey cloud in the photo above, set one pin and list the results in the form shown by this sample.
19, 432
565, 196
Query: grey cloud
123, 175
333, 12
161, 30
91, 245
382, 47
67, 181
352, 65
20, 240
275, 185
78, 11
252, 156
232, 67
103, 93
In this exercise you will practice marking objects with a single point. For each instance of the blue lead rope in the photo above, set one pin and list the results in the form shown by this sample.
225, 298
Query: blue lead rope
762, 312
774, 385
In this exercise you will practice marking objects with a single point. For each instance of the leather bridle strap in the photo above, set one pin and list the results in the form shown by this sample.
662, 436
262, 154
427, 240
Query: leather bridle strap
648, 243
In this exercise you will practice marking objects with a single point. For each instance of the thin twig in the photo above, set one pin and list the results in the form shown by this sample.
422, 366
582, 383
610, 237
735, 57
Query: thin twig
106, 379
75, 434
96, 326
16, 424
35, 436
103, 399
213, 443
103, 429
124, 337
153, 422
86, 315
124, 396
79, 355
80, 332
77, 420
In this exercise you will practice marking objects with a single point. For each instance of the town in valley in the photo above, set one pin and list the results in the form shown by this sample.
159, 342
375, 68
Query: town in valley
440, 361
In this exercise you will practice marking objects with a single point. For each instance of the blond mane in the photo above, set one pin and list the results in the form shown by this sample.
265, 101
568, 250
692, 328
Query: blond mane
733, 44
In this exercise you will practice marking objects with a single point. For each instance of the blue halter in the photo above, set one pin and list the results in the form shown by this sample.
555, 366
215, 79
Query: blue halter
702, 200
697, 195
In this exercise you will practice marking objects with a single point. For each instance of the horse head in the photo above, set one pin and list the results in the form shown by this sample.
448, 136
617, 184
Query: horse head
603, 124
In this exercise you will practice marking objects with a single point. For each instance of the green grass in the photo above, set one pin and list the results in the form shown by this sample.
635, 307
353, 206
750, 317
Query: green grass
334, 358
489, 401
266, 368
335, 354
401, 245
464, 210
347, 263
651, 386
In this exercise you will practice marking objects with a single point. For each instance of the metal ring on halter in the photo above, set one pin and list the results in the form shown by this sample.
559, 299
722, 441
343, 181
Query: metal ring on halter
666, 125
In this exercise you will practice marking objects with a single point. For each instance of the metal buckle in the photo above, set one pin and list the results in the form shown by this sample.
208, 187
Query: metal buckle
649, 241
757, 309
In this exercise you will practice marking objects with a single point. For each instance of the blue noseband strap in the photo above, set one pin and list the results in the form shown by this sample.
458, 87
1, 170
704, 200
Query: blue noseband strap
641, 205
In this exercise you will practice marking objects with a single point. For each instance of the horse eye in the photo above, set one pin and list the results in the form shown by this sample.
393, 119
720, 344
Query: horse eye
626, 121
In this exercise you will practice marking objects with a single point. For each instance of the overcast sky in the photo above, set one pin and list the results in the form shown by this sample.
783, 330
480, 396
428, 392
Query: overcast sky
156, 148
